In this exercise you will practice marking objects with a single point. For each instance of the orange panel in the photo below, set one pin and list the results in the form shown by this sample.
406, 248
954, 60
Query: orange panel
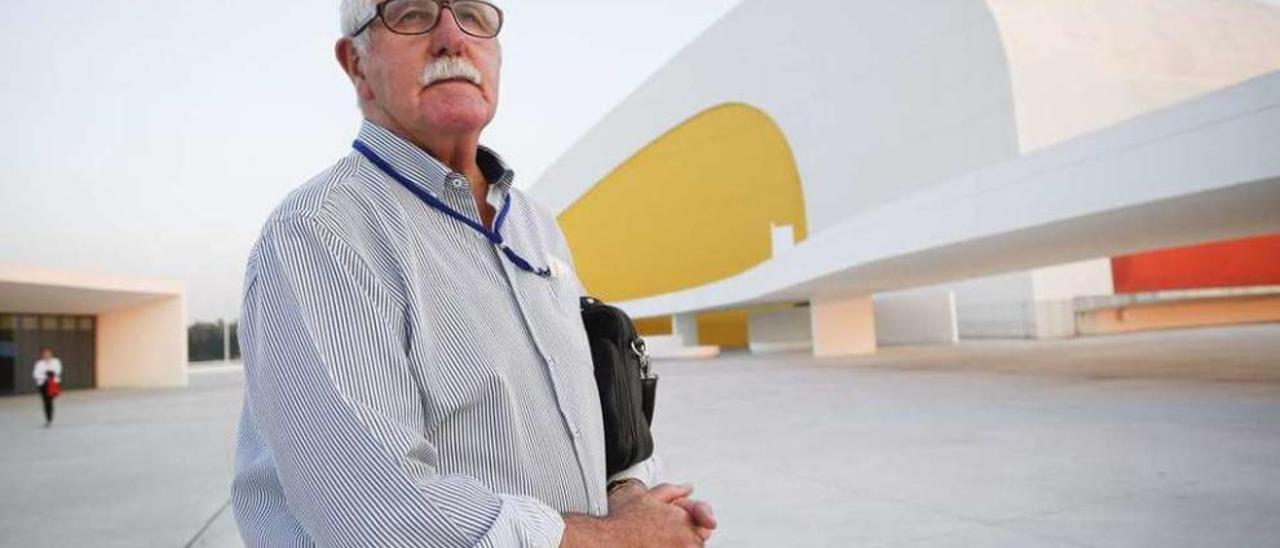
724, 329
1180, 314
653, 326
1236, 263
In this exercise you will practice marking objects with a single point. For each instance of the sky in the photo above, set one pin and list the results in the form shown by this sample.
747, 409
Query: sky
152, 139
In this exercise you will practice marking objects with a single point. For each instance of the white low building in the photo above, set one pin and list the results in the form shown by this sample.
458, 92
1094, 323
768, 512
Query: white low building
108, 331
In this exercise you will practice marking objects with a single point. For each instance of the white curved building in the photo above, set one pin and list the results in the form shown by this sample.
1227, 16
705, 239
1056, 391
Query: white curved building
826, 153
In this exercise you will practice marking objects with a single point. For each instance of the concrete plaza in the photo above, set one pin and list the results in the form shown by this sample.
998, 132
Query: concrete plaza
1165, 439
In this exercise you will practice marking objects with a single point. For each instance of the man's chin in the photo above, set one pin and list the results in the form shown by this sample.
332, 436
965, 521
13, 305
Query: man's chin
454, 120
454, 107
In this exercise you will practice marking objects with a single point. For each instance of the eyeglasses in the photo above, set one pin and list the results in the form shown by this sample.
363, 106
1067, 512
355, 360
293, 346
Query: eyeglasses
479, 19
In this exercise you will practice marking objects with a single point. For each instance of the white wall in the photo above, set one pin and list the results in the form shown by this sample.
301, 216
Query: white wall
1066, 282
1056, 288
1082, 65
143, 346
1027, 304
780, 330
916, 317
994, 306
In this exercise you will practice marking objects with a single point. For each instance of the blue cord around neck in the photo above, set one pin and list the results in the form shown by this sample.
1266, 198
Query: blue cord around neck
494, 236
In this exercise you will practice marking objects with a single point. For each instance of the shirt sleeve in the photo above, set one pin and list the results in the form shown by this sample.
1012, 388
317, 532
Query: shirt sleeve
647, 471
337, 408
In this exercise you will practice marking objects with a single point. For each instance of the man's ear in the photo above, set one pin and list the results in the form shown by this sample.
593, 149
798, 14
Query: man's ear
349, 57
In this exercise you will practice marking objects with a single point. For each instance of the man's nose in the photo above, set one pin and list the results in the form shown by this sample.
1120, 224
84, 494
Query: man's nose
447, 38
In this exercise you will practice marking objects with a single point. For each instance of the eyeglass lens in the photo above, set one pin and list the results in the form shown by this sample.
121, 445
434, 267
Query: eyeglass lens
420, 16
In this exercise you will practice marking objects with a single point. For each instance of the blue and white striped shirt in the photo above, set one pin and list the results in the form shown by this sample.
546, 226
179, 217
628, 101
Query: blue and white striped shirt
406, 385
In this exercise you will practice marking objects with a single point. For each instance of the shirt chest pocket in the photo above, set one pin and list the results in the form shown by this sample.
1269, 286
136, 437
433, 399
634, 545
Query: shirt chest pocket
563, 287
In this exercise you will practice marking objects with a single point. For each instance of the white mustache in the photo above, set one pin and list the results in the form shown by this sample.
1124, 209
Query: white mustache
450, 68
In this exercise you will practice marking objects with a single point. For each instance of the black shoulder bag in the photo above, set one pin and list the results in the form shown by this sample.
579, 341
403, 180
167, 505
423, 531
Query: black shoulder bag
627, 387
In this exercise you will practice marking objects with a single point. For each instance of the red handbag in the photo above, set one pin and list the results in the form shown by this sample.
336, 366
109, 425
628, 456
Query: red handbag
51, 387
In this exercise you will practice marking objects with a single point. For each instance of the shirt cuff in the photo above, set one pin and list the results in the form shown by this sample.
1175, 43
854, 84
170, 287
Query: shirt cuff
646, 471
524, 521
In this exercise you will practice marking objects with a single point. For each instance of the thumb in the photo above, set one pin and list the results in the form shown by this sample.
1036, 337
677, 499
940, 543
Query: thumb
669, 493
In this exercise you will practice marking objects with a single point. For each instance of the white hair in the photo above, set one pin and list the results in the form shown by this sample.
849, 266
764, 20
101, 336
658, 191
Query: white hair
354, 13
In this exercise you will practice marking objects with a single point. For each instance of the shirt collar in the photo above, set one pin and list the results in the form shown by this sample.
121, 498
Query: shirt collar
424, 170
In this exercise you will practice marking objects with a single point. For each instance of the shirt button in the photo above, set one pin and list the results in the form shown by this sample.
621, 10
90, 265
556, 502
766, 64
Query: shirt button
550, 360
457, 181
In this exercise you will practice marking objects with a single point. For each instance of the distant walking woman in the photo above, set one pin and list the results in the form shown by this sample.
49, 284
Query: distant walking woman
48, 375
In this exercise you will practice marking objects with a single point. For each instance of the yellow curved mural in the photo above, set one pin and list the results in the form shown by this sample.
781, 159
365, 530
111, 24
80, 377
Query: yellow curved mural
693, 207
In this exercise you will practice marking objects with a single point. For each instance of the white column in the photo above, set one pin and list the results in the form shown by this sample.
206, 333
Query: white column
226, 341
784, 238
143, 346
843, 326
685, 329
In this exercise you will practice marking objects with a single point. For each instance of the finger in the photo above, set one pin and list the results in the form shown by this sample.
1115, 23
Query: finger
703, 516
696, 536
700, 511
669, 493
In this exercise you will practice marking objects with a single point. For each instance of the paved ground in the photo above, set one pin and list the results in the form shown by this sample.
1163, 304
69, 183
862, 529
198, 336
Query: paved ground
1164, 440
119, 467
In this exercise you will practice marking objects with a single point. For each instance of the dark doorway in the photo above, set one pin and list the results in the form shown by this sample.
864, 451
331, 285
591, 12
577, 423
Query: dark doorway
72, 339
8, 354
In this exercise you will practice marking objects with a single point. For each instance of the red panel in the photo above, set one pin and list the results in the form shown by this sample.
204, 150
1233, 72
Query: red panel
1236, 263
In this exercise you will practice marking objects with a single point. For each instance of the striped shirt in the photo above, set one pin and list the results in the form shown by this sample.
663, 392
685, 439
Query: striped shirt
406, 385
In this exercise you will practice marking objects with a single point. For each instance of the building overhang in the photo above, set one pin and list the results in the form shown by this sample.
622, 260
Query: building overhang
29, 290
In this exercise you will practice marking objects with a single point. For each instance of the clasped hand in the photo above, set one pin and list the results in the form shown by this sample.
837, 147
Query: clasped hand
661, 516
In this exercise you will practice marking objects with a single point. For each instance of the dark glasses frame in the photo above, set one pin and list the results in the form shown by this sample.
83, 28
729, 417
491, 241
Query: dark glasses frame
382, 7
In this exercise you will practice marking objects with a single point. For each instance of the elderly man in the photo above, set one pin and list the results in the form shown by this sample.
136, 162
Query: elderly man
417, 369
